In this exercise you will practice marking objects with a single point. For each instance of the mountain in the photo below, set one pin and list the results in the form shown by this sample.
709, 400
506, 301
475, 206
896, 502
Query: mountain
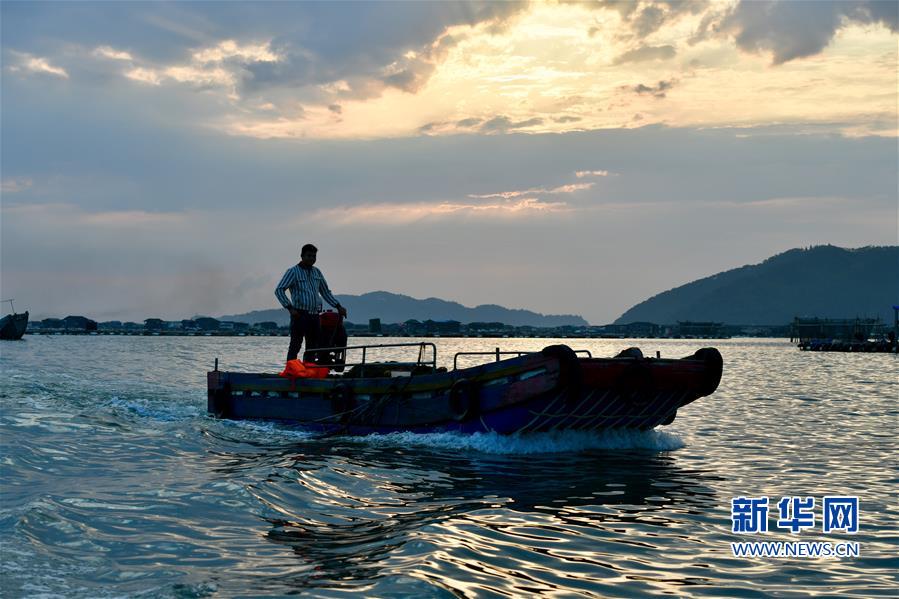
824, 281
395, 308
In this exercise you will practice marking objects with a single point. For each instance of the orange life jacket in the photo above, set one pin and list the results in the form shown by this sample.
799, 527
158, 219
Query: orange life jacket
296, 369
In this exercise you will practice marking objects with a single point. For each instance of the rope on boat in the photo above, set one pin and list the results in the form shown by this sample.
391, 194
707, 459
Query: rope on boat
371, 411
574, 412
484, 424
569, 380
536, 418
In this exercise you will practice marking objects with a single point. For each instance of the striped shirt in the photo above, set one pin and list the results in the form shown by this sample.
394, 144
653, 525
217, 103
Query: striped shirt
305, 285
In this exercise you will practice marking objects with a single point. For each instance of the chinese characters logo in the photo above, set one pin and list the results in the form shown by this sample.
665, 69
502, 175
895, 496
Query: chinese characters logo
749, 515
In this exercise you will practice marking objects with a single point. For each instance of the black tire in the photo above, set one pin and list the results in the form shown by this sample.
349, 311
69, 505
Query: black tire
715, 367
463, 400
570, 376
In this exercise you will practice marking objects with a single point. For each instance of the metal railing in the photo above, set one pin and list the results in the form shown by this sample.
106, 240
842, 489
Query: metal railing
499, 353
419, 362
421, 349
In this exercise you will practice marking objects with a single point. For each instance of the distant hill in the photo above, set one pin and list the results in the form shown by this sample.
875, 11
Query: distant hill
824, 281
396, 308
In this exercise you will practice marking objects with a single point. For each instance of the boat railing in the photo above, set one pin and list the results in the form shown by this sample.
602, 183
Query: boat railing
421, 361
422, 346
499, 353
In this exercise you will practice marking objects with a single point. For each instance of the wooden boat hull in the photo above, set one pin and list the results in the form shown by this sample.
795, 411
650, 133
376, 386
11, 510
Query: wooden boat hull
545, 391
12, 326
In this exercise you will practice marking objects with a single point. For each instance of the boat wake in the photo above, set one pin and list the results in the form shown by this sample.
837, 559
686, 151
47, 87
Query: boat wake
157, 409
271, 431
564, 441
554, 442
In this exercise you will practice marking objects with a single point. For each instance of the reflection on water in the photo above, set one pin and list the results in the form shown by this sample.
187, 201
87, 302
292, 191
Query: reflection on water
116, 483
362, 507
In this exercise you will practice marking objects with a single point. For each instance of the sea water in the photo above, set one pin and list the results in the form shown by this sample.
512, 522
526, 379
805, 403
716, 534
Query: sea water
116, 483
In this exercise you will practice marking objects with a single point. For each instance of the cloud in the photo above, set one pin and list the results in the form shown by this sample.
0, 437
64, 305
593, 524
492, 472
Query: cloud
408, 69
648, 20
801, 202
469, 122
222, 65
143, 75
383, 47
412, 70
15, 185
788, 29
659, 90
567, 119
570, 188
404, 213
497, 124
230, 50
112, 53
203, 78
647, 17
297, 52
75, 216
647, 53
28, 63
408, 80
502, 124
791, 30
582, 174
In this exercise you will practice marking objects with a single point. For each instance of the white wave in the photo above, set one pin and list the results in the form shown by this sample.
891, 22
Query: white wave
160, 408
271, 430
554, 442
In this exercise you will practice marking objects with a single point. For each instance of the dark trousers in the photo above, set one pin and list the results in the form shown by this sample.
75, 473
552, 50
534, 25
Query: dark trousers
305, 325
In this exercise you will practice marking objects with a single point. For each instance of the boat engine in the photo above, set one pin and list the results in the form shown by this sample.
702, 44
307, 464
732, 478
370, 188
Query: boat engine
333, 334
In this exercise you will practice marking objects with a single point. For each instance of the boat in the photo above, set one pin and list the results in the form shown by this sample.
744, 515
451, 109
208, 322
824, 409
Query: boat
12, 326
554, 389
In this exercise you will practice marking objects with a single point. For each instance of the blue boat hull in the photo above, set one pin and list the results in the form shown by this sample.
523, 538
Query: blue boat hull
535, 393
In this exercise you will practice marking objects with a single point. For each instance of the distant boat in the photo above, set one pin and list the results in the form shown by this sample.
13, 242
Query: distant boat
12, 326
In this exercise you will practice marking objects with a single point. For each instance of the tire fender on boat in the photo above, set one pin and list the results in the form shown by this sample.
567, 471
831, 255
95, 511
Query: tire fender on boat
714, 364
463, 400
342, 401
570, 377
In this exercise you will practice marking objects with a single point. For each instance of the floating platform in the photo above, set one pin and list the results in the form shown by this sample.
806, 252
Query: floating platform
879, 347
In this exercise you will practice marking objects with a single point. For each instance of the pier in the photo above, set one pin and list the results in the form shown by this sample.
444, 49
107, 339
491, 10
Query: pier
860, 335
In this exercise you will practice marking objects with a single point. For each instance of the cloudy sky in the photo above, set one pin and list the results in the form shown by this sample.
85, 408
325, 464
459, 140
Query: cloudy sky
169, 159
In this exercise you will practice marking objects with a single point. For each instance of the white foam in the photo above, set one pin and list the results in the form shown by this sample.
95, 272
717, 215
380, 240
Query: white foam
554, 442
271, 430
160, 409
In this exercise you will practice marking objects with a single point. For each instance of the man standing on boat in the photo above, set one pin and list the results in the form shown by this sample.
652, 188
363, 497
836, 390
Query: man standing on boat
307, 288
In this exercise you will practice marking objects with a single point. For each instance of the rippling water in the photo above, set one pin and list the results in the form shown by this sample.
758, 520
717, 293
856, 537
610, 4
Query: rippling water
116, 483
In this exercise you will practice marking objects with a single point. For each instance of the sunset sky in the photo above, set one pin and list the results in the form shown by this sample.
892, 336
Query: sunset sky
169, 159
